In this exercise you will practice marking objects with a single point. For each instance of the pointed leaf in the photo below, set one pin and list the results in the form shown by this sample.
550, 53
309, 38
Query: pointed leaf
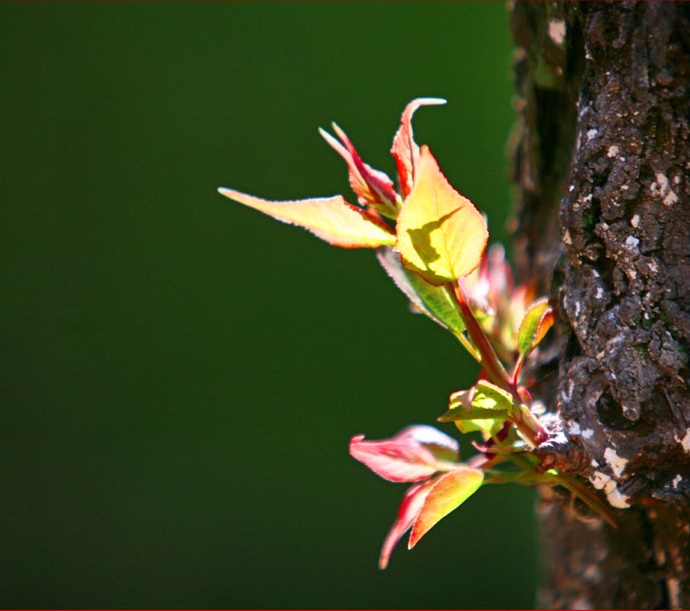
407, 513
372, 186
405, 150
429, 299
538, 319
449, 491
331, 218
441, 235
414, 454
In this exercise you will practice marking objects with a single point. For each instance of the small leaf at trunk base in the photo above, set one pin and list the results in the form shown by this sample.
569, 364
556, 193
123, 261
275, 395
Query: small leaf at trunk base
538, 319
449, 491
441, 235
330, 218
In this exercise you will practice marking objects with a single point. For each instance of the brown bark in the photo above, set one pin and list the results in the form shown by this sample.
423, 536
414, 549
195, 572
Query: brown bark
602, 174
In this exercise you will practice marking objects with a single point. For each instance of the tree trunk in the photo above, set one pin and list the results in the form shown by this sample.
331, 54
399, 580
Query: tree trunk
602, 172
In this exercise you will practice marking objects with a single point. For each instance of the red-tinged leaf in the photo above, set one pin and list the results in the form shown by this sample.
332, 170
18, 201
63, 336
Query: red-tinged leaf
407, 513
372, 186
441, 235
538, 319
449, 491
441, 445
414, 454
405, 150
331, 218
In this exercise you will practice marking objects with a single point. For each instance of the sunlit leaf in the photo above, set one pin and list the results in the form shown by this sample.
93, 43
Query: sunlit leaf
449, 491
538, 319
429, 299
405, 150
453, 415
489, 396
407, 513
414, 454
332, 219
484, 408
372, 186
441, 235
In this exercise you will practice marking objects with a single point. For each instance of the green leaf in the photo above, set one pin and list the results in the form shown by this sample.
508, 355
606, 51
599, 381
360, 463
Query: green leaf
538, 319
441, 235
330, 218
448, 492
453, 415
484, 407
433, 301
489, 396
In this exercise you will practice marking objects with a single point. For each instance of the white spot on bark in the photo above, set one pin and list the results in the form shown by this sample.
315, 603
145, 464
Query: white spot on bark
631, 242
635, 220
591, 133
677, 480
599, 293
624, 187
612, 152
566, 238
670, 198
685, 442
557, 31
616, 462
574, 428
616, 499
571, 188
588, 434
601, 481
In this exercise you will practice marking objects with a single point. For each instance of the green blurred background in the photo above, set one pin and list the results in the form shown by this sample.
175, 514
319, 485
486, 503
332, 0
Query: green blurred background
180, 375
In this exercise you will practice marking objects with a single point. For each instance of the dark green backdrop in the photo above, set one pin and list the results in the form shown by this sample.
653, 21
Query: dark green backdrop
180, 376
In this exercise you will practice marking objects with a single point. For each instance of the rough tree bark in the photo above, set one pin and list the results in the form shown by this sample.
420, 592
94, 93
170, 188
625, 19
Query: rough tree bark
601, 159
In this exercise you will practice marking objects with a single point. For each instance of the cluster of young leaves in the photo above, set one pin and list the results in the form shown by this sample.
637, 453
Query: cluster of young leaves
432, 242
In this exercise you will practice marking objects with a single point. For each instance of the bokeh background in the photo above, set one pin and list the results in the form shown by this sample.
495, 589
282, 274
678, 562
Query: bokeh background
180, 376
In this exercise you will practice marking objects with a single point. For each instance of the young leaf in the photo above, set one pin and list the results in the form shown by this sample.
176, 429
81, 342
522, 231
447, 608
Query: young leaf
372, 187
407, 513
538, 319
484, 407
405, 150
441, 235
489, 396
449, 491
330, 218
429, 299
414, 454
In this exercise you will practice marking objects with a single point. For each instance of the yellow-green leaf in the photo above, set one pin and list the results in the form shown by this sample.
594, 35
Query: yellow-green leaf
330, 218
449, 492
538, 319
441, 235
